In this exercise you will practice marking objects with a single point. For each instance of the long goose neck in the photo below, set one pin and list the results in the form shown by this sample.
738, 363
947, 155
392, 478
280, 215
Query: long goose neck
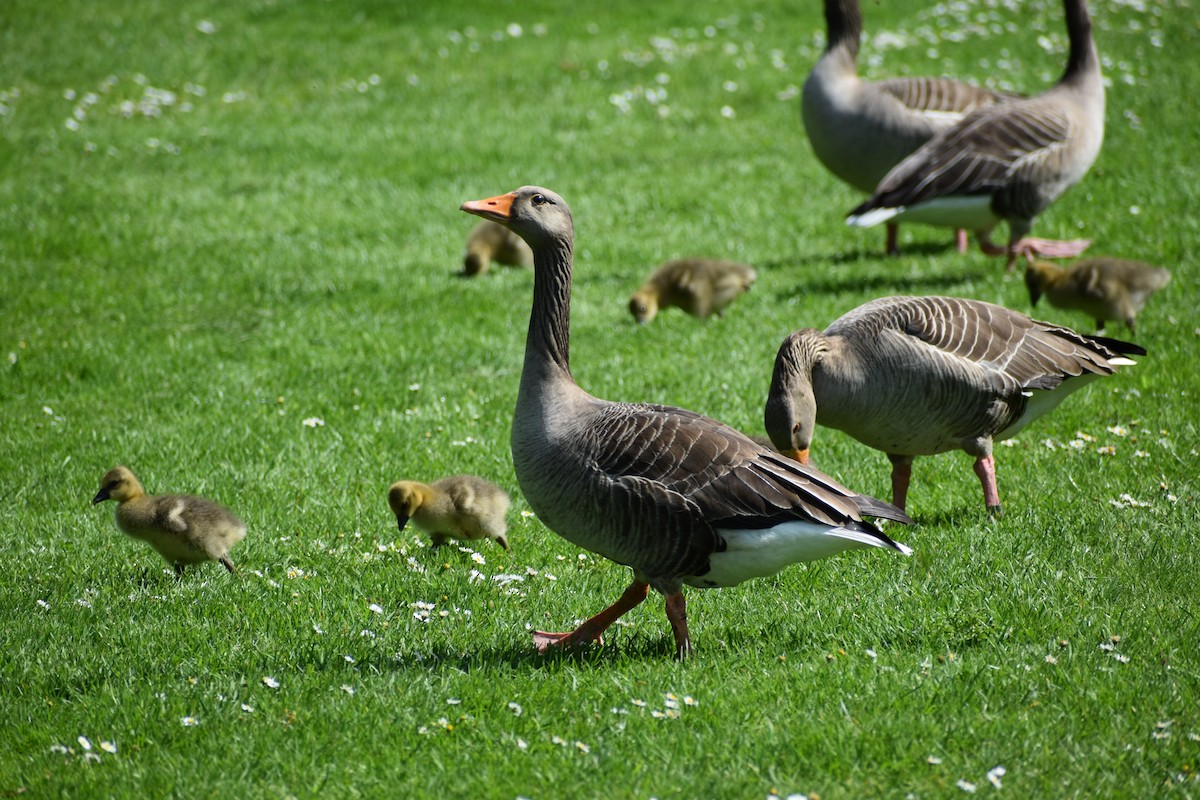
547, 347
1083, 61
844, 26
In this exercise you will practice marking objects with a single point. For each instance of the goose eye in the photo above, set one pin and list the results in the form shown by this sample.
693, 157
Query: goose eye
539, 200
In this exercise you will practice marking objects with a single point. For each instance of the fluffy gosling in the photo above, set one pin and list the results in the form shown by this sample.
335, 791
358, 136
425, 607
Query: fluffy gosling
459, 507
489, 241
700, 286
182, 528
1106, 288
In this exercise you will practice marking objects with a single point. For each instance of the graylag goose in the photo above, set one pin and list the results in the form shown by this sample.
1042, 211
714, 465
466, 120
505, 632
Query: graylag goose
182, 528
860, 129
678, 497
1008, 161
488, 242
462, 507
1106, 288
699, 286
922, 375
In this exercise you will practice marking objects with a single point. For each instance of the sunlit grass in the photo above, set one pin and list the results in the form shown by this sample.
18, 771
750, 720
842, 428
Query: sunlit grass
221, 224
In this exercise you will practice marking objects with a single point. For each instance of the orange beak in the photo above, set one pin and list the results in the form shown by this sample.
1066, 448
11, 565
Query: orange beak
497, 208
799, 455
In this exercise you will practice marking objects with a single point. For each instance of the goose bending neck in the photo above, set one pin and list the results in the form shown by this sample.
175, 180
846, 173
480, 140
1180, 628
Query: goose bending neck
547, 347
844, 25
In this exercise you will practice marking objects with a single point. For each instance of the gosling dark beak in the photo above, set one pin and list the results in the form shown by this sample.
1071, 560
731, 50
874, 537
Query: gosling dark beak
502, 541
101, 496
401, 521
498, 208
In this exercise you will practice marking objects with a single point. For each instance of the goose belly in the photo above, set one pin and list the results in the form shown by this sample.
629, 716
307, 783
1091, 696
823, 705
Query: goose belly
1043, 402
759, 553
973, 212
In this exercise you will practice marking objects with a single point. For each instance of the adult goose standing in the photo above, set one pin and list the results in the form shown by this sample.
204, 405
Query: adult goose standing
680, 498
1007, 161
922, 375
860, 129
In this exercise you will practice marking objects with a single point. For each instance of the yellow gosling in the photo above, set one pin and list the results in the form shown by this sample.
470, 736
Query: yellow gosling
488, 242
182, 528
1105, 288
700, 286
461, 507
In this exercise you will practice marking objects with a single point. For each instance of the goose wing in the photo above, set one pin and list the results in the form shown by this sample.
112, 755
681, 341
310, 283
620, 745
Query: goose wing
1033, 354
732, 481
990, 150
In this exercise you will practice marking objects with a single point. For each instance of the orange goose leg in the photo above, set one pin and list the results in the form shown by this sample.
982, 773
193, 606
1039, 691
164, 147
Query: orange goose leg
985, 468
591, 630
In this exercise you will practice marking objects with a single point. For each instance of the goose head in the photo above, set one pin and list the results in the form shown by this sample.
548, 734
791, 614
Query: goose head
643, 305
535, 214
119, 484
1038, 276
405, 497
790, 413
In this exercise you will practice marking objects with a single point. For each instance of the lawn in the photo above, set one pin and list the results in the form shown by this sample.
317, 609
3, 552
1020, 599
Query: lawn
229, 239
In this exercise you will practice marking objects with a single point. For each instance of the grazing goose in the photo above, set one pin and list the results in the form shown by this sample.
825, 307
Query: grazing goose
921, 375
488, 242
700, 286
459, 507
182, 528
1006, 161
1106, 288
860, 129
678, 497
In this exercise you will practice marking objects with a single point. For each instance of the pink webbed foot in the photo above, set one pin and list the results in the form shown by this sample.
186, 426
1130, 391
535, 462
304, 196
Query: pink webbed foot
544, 641
1031, 248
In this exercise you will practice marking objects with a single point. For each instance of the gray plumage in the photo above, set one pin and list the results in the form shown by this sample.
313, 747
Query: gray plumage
923, 375
463, 507
860, 129
678, 497
699, 286
488, 242
1007, 161
1106, 288
183, 529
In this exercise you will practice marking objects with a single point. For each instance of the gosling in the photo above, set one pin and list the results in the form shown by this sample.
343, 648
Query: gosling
460, 507
1106, 288
700, 286
490, 241
182, 528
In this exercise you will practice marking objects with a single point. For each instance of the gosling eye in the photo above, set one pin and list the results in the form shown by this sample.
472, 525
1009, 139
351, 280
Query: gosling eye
539, 200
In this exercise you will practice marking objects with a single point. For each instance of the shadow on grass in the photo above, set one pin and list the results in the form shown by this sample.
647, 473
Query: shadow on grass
887, 278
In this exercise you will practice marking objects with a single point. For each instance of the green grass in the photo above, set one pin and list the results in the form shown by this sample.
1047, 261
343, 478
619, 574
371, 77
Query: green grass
180, 292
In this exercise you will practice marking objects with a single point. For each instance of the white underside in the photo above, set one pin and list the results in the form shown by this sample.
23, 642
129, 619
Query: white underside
1043, 402
972, 212
758, 553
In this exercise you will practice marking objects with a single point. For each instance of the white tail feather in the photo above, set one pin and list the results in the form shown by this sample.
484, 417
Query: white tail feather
873, 217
